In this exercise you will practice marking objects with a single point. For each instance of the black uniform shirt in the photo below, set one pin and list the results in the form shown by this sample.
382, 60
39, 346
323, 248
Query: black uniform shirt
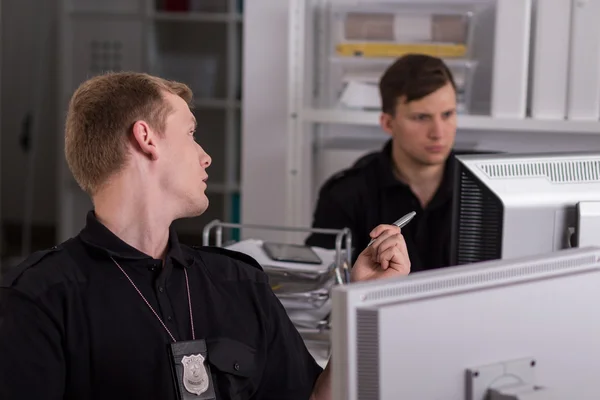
368, 194
73, 327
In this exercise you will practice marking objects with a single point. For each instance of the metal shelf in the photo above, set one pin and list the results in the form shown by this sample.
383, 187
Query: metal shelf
465, 122
103, 14
195, 16
485, 123
385, 61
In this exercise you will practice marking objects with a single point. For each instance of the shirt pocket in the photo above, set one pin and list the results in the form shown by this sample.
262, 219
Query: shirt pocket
234, 368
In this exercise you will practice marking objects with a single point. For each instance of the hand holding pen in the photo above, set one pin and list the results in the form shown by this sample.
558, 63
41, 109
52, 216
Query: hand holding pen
401, 223
386, 255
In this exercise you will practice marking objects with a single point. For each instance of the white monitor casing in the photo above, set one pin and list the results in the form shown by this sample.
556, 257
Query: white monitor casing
416, 337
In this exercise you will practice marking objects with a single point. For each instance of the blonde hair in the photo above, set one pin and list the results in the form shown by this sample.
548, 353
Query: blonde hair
101, 115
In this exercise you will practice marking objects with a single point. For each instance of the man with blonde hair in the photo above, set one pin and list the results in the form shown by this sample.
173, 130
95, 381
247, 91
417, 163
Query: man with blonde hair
123, 310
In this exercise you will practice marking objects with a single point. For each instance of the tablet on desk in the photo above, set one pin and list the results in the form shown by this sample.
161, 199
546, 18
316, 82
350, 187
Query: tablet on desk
291, 253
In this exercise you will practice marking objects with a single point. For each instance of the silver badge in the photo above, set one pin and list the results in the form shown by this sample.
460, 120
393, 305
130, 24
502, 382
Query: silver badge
195, 378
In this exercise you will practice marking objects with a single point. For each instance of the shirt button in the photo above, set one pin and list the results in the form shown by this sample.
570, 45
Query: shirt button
169, 318
236, 366
161, 289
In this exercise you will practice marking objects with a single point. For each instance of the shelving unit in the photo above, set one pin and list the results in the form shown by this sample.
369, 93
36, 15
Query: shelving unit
315, 123
191, 16
465, 122
199, 48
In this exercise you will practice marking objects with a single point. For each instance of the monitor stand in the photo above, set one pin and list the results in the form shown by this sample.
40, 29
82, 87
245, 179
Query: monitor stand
587, 230
510, 380
521, 393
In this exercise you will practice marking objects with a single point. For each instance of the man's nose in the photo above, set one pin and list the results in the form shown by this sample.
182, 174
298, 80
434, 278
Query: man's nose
437, 128
205, 160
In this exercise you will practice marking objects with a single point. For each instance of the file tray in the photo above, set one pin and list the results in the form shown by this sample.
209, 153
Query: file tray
391, 30
342, 252
301, 286
303, 289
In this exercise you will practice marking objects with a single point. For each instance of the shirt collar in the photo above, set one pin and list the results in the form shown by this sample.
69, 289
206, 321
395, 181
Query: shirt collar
98, 236
387, 178
385, 167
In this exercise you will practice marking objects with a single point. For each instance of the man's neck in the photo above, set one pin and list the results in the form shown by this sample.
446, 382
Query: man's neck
132, 215
423, 180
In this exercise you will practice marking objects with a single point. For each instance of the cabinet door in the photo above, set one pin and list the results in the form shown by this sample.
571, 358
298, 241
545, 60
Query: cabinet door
101, 44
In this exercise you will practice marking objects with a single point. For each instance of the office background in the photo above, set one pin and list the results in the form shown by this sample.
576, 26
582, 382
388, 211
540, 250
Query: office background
246, 113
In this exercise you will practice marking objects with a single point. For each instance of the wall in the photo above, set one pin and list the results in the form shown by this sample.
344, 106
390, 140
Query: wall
28, 71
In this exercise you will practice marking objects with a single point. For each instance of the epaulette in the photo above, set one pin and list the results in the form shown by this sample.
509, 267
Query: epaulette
355, 168
236, 255
366, 159
9, 278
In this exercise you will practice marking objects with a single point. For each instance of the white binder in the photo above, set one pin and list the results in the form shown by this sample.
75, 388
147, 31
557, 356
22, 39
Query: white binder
511, 58
584, 69
550, 59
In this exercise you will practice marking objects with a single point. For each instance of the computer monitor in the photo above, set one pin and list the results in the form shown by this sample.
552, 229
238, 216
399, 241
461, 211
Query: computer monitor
461, 332
511, 205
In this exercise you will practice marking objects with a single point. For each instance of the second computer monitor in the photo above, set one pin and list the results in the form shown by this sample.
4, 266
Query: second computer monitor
511, 205
523, 328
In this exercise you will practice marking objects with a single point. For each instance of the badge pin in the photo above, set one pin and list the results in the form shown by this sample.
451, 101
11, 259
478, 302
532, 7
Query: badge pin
195, 377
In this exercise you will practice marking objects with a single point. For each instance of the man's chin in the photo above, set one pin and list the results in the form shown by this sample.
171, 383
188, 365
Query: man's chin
197, 209
202, 208
434, 159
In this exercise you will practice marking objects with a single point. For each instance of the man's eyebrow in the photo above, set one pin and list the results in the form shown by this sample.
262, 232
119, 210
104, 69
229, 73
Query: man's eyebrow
428, 114
421, 113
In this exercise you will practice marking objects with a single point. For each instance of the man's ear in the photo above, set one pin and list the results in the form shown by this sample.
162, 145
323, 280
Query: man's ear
146, 139
386, 120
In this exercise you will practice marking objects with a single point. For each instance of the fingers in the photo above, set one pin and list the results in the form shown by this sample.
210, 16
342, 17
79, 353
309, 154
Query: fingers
394, 258
382, 233
389, 250
386, 247
380, 229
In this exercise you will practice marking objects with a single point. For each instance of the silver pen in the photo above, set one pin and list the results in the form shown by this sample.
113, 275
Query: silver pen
401, 223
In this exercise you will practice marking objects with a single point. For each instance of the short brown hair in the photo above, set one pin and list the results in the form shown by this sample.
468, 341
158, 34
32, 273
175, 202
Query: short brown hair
412, 76
101, 114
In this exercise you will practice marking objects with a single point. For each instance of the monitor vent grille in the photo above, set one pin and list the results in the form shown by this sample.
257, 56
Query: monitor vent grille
368, 354
496, 275
479, 231
568, 171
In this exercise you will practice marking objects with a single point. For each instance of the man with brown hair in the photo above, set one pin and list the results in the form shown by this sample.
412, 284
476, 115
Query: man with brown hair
123, 310
413, 172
